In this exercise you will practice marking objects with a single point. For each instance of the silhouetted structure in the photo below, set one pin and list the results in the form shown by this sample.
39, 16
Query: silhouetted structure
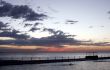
91, 57
40, 61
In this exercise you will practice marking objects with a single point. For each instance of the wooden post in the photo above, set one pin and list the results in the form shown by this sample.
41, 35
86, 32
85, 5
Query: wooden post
62, 57
86, 53
47, 58
22, 58
39, 58
101, 55
74, 57
11, 58
55, 58
79, 57
31, 58
68, 57
93, 53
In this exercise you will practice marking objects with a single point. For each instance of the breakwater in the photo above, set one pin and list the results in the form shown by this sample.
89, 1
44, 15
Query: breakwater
55, 60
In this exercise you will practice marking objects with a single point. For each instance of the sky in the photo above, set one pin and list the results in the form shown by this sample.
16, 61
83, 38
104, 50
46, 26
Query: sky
88, 20
88, 13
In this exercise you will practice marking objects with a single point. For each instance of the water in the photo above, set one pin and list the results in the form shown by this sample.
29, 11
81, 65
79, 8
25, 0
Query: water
80, 65
41, 56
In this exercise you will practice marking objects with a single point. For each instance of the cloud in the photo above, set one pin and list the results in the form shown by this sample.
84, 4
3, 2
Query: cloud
14, 34
33, 29
90, 26
55, 32
54, 40
19, 11
6, 31
58, 38
28, 25
90, 42
3, 27
57, 41
51, 41
36, 24
50, 30
71, 22
102, 44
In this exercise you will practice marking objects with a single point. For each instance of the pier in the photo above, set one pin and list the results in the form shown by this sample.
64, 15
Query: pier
39, 60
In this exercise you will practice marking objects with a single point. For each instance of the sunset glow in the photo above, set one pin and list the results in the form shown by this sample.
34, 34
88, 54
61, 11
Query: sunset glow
82, 48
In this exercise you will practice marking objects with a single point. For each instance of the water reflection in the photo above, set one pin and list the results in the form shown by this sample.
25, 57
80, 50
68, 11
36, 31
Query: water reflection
82, 65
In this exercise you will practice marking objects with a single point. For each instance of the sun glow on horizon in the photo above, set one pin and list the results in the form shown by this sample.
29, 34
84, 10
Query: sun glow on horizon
72, 48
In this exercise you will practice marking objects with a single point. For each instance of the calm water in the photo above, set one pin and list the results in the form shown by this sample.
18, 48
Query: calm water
81, 65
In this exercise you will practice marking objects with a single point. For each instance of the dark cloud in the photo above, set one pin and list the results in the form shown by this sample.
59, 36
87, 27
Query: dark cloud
33, 29
58, 38
36, 24
71, 22
14, 42
3, 27
5, 31
28, 25
57, 41
33, 25
14, 34
55, 32
90, 42
49, 30
19, 11
102, 44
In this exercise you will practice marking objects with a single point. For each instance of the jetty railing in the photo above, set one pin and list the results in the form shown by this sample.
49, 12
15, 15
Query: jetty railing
48, 58
40, 60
